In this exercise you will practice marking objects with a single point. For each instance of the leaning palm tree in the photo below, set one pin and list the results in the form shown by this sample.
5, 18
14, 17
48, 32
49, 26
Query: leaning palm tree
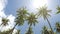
21, 16
58, 10
32, 20
44, 12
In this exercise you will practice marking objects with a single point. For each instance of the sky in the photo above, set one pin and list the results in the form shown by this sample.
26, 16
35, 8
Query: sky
8, 9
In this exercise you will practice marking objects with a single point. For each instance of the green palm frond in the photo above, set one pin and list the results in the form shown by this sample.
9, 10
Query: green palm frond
5, 21
58, 26
21, 16
58, 10
44, 12
32, 20
45, 31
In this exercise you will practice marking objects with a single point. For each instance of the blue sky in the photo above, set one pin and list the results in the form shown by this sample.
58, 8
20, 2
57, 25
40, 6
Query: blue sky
13, 5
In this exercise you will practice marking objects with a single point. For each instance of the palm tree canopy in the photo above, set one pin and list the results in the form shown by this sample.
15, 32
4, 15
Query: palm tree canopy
57, 26
44, 12
5, 21
45, 31
58, 10
32, 20
21, 15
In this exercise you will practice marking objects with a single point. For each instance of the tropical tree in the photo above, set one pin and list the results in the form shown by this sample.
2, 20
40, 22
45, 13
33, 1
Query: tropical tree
32, 20
4, 21
57, 23
44, 12
21, 16
57, 26
45, 30
58, 10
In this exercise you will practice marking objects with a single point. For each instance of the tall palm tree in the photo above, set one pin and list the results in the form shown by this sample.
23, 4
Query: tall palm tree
21, 15
44, 12
58, 10
32, 20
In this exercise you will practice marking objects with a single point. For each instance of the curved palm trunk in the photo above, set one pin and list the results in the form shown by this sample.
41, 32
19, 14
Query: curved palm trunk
49, 25
12, 29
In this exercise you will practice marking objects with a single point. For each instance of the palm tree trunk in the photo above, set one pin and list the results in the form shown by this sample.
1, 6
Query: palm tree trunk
49, 25
13, 29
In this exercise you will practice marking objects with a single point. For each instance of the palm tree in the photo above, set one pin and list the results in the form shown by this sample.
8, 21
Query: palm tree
32, 20
4, 21
5, 32
57, 26
45, 30
57, 23
58, 10
44, 12
21, 15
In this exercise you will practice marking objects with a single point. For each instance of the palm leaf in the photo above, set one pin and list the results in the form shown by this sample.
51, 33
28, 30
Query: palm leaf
32, 20
21, 16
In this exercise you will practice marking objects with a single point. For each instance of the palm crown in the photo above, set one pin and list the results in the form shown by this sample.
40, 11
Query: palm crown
32, 19
44, 12
21, 15
5, 21
58, 10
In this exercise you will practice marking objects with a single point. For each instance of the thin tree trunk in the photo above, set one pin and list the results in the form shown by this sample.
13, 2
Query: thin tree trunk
13, 29
50, 25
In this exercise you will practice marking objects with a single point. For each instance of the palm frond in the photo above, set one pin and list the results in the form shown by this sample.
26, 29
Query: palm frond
32, 20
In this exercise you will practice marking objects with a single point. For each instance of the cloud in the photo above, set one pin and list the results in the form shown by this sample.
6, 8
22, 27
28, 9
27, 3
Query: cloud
10, 25
11, 18
15, 31
3, 3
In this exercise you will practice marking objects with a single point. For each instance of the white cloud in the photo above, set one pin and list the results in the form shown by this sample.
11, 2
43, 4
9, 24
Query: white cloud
2, 6
15, 30
11, 23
